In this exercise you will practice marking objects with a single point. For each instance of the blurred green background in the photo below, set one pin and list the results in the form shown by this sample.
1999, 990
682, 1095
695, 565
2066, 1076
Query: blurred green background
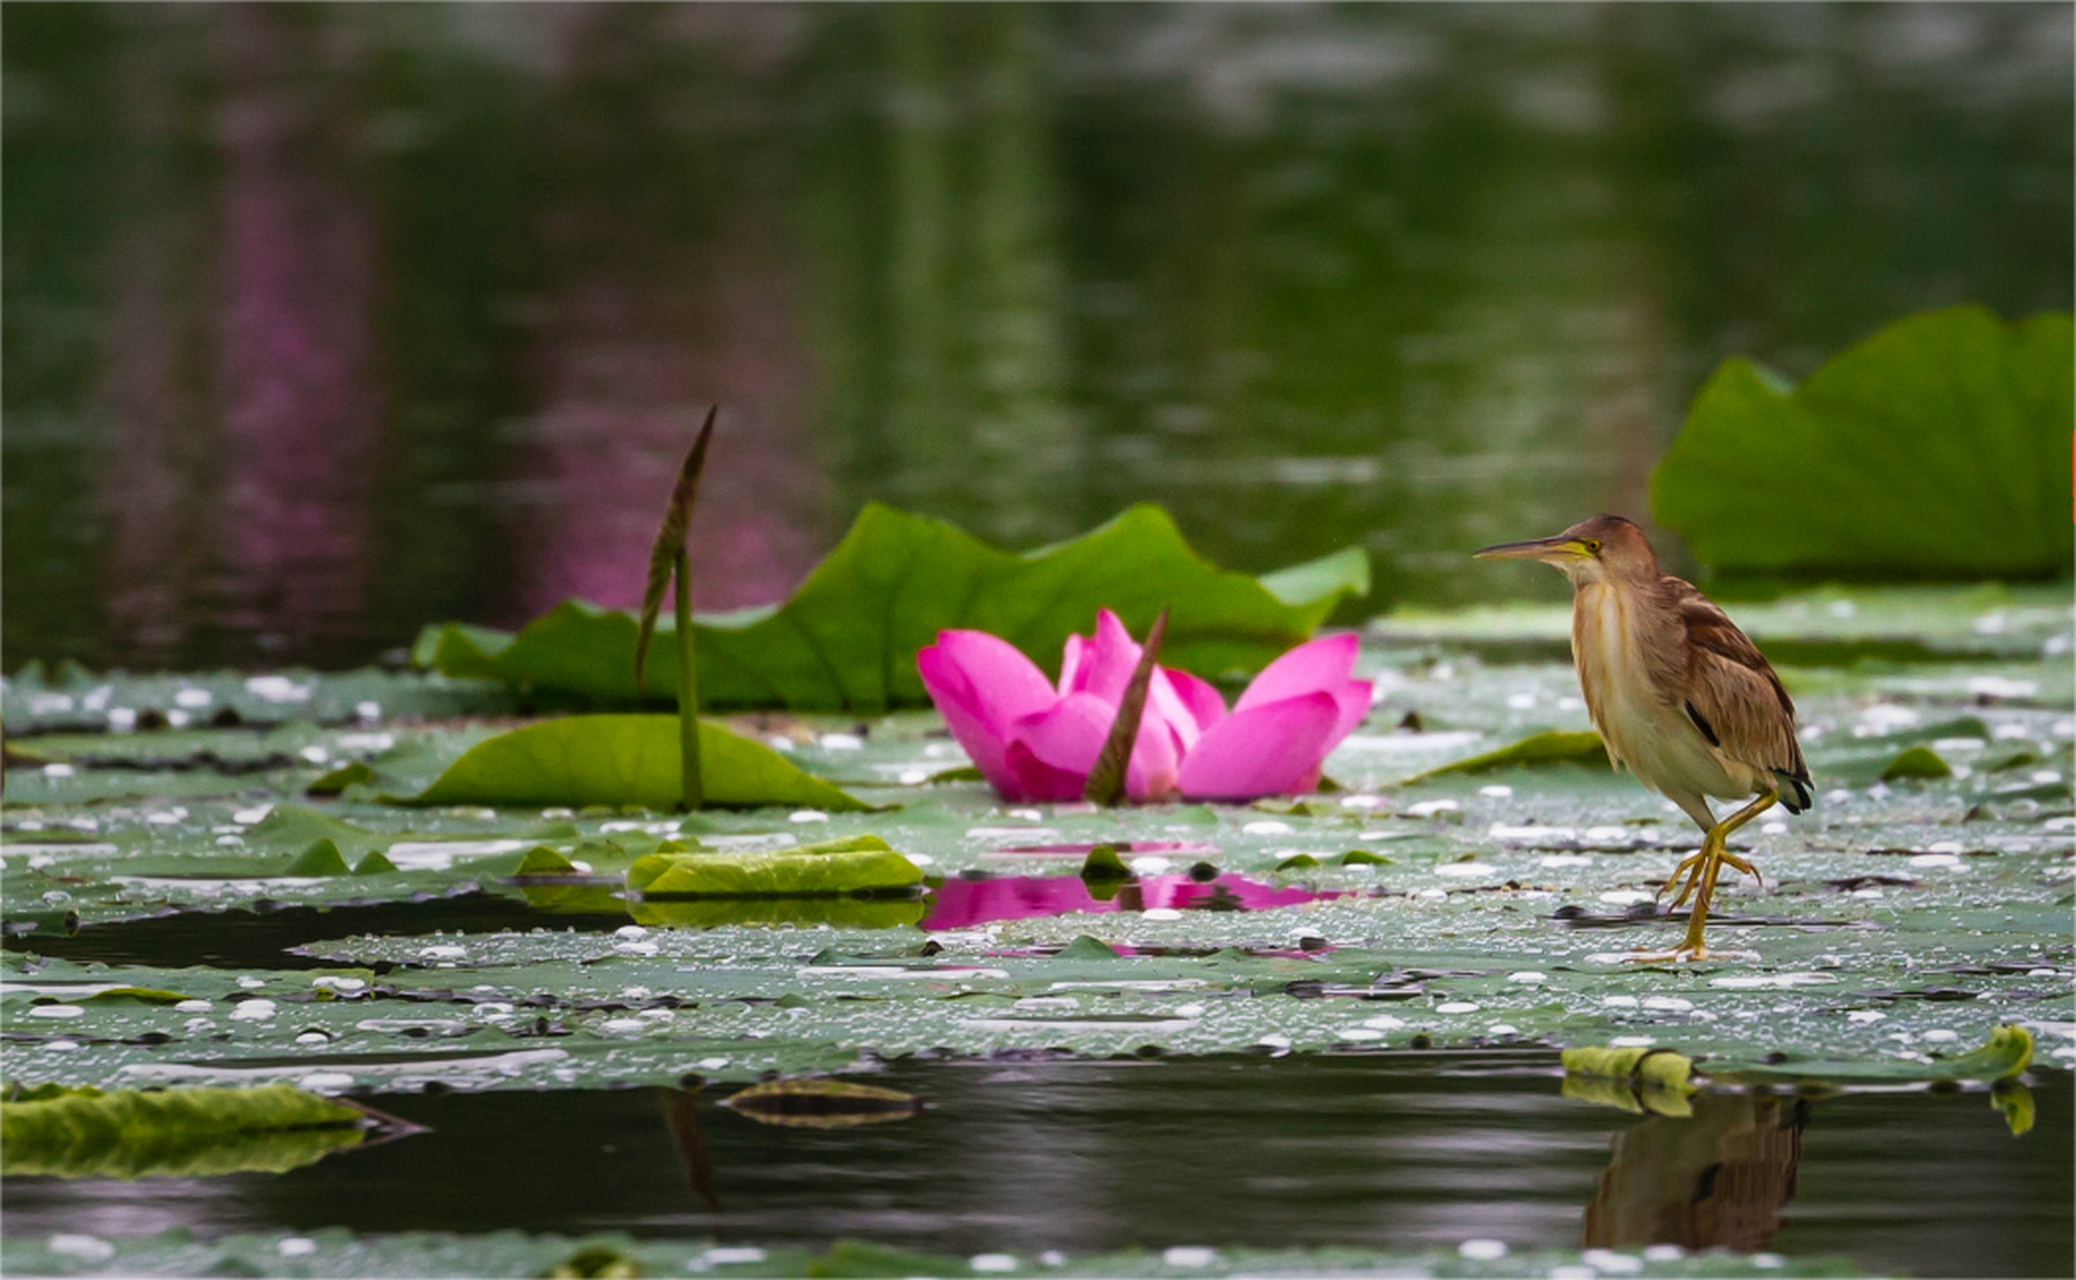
324, 322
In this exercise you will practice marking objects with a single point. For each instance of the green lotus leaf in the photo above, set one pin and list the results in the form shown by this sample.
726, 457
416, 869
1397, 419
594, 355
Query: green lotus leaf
1917, 762
1936, 449
623, 760
847, 639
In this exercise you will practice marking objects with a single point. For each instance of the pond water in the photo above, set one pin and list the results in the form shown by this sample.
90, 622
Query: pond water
1397, 1151
324, 322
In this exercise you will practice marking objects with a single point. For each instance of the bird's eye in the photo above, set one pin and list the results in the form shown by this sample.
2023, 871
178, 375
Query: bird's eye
1593, 545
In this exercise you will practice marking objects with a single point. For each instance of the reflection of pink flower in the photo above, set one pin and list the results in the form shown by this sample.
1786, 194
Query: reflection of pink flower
1037, 742
963, 904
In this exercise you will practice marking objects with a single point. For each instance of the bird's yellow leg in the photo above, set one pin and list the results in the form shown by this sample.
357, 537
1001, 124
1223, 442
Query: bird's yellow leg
1700, 871
1715, 855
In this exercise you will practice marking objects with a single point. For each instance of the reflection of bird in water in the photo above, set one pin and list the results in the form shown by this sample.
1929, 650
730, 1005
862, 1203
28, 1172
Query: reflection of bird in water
681, 1116
1680, 695
1716, 1179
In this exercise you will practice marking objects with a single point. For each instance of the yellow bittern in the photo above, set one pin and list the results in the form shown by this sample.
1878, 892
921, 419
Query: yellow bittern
1680, 696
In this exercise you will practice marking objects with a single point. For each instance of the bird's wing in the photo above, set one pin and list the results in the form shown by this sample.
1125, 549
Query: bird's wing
1734, 697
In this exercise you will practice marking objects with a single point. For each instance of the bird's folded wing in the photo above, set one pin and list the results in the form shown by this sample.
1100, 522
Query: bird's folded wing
1733, 695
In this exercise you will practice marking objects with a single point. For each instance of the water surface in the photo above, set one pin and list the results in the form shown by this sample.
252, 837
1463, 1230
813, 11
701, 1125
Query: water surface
324, 322
1394, 1151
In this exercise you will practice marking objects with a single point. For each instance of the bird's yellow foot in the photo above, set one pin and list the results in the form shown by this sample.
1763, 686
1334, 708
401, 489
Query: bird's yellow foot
1686, 955
1691, 870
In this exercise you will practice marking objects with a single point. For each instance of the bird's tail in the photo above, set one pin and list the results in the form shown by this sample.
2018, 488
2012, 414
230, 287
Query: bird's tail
1795, 792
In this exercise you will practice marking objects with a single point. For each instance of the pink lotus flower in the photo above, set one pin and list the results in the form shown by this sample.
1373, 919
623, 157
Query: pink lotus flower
1037, 741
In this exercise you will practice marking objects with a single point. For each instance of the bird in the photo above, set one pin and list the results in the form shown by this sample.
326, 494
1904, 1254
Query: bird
1680, 697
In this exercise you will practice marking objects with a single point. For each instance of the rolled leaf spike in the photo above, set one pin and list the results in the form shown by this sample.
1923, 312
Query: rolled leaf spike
668, 561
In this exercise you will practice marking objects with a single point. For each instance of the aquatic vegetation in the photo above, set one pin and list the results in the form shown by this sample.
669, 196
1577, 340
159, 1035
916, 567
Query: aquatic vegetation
846, 640
493, 949
1934, 449
623, 759
856, 864
1034, 740
83, 1132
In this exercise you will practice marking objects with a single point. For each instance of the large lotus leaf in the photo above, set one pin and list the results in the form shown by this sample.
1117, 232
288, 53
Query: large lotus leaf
847, 639
172, 1133
1938, 448
622, 760
855, 865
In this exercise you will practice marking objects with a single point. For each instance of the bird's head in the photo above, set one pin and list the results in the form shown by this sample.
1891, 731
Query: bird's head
1590, 551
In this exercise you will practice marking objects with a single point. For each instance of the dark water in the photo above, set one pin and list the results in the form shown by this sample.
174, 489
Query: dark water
323, 322
1389, 1151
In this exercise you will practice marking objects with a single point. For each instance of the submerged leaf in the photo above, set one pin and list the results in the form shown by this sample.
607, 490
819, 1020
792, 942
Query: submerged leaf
1551, 747
821, 1104
173, 1133
1936, 448
623, 759
847, 639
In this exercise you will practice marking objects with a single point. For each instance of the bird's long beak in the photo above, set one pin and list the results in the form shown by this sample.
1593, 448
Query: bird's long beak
1548, 550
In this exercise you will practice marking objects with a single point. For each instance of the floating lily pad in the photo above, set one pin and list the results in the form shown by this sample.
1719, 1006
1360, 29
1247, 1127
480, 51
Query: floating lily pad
623, 760
847, 639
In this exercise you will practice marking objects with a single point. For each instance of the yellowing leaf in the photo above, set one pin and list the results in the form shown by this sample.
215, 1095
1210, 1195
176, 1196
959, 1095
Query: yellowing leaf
172, 1133
855, 865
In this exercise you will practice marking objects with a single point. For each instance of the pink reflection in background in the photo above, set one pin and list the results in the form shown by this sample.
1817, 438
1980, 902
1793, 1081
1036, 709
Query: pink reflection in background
297, 377
961, 904
648, 322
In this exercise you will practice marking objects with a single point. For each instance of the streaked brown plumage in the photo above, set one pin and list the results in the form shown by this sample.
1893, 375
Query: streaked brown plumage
1680, 696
